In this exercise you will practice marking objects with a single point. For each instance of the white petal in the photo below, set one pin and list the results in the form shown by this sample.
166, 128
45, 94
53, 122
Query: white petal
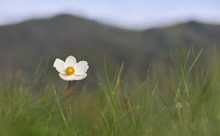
65, 77
70, 61
81, 67
72, 77
59, 65
80, 77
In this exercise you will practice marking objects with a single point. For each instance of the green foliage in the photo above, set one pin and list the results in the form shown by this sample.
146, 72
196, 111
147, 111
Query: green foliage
179, 99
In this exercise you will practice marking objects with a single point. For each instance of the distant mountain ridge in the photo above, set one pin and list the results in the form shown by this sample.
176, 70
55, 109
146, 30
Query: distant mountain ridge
24, 44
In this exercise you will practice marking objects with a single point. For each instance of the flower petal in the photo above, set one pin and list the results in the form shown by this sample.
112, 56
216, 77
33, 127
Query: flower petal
72, 77
59, 65
81, 67
70, 61
80, 77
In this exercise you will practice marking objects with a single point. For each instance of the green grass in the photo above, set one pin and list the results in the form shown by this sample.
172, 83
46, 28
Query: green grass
174, 100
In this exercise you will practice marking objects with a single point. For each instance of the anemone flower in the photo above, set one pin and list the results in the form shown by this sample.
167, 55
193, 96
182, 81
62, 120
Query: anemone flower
70, 70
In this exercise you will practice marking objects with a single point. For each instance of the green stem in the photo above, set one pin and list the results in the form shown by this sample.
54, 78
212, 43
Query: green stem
70, 102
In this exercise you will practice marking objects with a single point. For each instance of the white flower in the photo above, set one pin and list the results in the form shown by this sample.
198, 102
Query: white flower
70, 70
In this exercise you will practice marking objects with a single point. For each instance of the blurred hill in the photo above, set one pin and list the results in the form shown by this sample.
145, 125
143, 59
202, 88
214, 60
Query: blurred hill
23, 45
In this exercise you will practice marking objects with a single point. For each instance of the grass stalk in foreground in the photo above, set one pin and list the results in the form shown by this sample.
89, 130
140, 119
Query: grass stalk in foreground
59, 107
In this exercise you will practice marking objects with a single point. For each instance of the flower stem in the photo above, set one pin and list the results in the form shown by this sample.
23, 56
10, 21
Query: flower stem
70, 102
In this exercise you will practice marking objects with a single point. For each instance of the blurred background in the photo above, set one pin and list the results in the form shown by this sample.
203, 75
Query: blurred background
138, 33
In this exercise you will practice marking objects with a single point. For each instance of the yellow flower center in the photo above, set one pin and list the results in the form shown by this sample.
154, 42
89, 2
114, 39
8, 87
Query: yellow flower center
70, 71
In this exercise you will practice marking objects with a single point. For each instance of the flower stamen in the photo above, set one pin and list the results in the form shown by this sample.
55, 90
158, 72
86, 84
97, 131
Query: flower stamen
70, 71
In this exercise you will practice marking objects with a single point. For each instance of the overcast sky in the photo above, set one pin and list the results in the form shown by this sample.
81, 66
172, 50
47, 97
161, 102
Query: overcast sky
123, 13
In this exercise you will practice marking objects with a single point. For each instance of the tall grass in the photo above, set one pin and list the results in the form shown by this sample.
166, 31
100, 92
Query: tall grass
174, 100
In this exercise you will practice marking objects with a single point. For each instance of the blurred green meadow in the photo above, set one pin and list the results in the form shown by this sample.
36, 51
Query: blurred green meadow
180, 99
160, 81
